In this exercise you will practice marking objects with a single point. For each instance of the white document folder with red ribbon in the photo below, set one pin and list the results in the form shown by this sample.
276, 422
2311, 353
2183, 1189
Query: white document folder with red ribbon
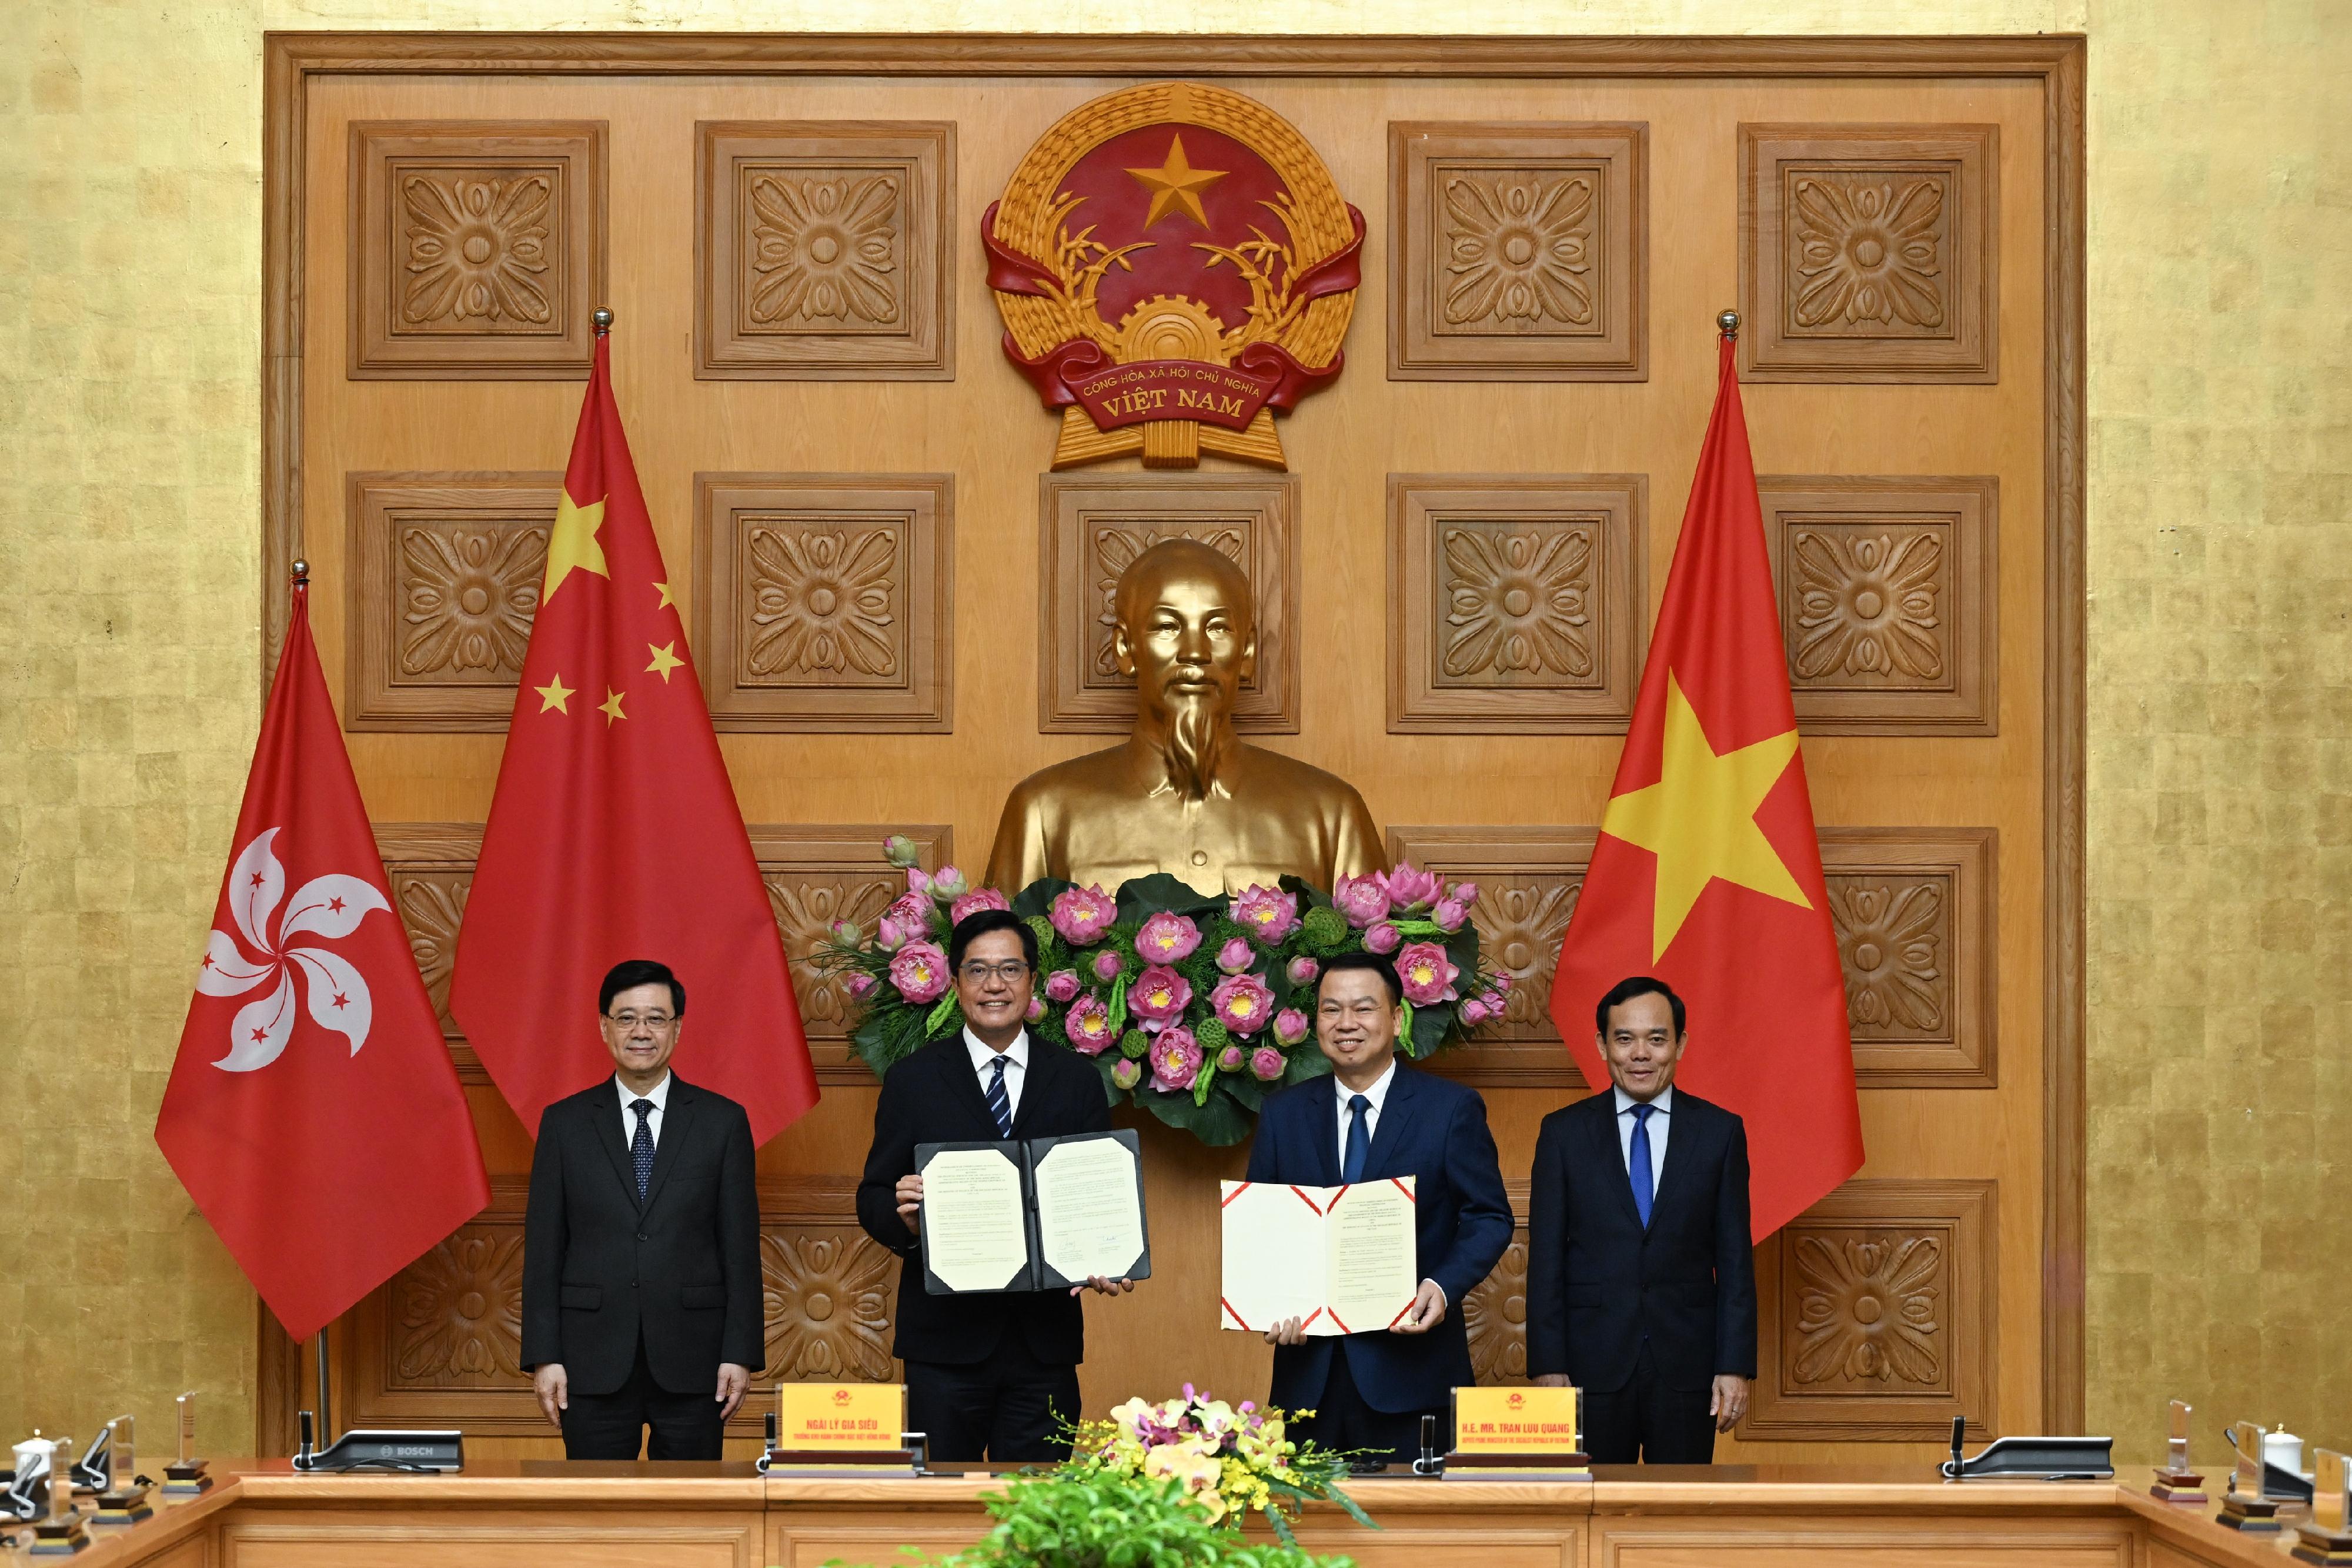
1340, 1258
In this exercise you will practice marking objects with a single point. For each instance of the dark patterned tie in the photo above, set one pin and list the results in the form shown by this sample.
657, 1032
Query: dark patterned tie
1359, 1139
641, 1147
1000, 1105
1638, 1164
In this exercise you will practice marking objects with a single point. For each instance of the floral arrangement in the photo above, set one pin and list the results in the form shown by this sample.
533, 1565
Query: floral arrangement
1231, 1462
1071, 1517
1196, 1006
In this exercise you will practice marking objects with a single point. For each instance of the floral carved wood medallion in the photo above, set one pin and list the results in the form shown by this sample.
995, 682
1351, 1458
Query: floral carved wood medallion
826, 249
1518, 601
806, 908
1519, 249
1866, 1309
1495, 1316
1867, 605
469, 591
1870, 251
827, 1297
1892, 936
456, 1319
1521, 923
432, 905
823, 601
479, 249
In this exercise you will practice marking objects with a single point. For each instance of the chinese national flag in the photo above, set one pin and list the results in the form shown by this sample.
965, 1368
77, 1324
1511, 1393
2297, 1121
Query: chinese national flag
313, 1113
615, 833
1706, 872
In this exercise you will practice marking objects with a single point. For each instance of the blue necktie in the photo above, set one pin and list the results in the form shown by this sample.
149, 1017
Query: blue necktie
1359, 1139
641, 1147
1638, 1162
1000, 1105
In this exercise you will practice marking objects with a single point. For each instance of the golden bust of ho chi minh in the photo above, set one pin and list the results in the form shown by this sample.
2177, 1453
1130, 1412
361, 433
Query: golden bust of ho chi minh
1186, 794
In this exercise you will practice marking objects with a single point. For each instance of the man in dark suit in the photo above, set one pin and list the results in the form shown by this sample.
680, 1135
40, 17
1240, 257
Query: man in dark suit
641, 1244
1641, 1270
1374, 1118
992, 1374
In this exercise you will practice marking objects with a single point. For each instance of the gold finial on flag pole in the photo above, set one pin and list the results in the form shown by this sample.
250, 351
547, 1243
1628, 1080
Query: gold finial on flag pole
603, 317
1727, 323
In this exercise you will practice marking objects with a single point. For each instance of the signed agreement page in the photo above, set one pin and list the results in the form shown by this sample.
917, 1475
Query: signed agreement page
1370, 1236
975, 1231
1089, 1209
1274, 1259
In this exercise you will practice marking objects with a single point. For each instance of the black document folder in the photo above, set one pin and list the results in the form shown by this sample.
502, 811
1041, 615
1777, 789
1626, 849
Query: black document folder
1062, 1232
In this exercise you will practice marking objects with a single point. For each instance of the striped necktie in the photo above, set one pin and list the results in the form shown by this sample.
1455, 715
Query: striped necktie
1000, 1105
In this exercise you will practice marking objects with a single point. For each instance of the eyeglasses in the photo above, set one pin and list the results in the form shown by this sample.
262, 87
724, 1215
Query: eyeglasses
655, 1022
980, 973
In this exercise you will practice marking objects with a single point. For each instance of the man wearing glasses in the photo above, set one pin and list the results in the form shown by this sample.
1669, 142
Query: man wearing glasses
988, 1375
641, 1244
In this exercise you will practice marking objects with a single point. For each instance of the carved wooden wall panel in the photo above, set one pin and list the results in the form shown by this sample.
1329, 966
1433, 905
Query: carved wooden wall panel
1517, 602
1913, 910
1091, 526
826, 601
1519, 252
441, 1343
1889, 592
478, 248
445, 573
824, 250
816, 875
1878, 1314
1494, 1313
1528, 879
1867, 253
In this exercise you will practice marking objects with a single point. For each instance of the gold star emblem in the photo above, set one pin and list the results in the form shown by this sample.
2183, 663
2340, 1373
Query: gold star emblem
666, 659
1176, 184
1699, 818
555, 695
573, 543
611, 707
666, 602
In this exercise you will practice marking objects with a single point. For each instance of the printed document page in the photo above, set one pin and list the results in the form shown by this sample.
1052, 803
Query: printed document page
1273, 1254
975, 1231
1089, 1209
1369, 1233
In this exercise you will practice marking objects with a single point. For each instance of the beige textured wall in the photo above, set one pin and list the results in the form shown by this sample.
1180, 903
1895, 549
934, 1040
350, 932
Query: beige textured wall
2221, 803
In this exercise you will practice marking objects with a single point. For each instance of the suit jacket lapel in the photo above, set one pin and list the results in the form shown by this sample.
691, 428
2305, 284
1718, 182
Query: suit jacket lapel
1387, 1130
1613, 1158
610, 1116
1682, 1137
677, 1116
1327, 1121
1036, 1088
963, 1083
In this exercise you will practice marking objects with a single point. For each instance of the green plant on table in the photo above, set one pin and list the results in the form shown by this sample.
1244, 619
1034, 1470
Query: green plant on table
1096, 1520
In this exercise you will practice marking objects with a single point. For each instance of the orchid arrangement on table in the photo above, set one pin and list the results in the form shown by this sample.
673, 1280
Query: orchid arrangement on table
1196, 1006
1232, 1461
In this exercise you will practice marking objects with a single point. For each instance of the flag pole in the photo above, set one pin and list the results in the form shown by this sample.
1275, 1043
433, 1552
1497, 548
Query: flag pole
301, 583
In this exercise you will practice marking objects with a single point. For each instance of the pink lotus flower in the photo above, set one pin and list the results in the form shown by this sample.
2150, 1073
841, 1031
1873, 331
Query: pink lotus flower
918, 881
919, 970
1267, 913
847, 931
860, 983
948, 882
1409, 889
1175, 1059
1474, 1012
1465, 894
972, 902
890, 936
1383, 937
1087, 1025
1291, 1026
1243, 1004
1230, 1060
1236, 956
1303, 970
1267, 1064
1062, 985
900, 850
1501, 982
912, 911
1427, 973
1125, 1073
1361, 899
1108, 966
1036, 1008
1159, 995
1449, 914
1082, 914
1167, 939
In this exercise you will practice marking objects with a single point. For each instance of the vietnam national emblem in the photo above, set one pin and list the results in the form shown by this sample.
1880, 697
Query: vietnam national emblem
1175, 265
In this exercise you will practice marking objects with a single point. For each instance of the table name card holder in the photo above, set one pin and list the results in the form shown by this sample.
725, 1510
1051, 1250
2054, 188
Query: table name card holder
2175, 1481
2245, 1507
2327, 1537
822, 1445
1545, 1442
113, 1467
60, 1532
185, 1475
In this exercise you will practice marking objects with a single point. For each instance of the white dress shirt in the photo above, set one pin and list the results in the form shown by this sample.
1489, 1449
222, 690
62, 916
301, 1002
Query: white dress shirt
1659, 1126
983, 1061
1377, 1095
658, 1095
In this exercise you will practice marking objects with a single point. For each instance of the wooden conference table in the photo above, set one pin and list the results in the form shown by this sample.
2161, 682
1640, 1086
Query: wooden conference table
260, 1514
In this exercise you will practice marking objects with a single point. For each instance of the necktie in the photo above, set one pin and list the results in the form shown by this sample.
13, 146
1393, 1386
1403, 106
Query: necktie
1000, 1105
641, 1147
1359, 1139
1638, 1162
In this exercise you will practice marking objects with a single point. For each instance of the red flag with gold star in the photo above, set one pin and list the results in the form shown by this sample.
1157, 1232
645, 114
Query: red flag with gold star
1706, 872
614, 833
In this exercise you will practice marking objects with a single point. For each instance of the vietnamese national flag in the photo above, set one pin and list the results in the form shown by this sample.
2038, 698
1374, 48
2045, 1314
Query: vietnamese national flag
313, 1112
614, 833
1706, 872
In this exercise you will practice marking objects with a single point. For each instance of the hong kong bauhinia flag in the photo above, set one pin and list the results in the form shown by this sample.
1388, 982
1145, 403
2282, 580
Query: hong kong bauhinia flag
1706, 872
313, 1112
614, 833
